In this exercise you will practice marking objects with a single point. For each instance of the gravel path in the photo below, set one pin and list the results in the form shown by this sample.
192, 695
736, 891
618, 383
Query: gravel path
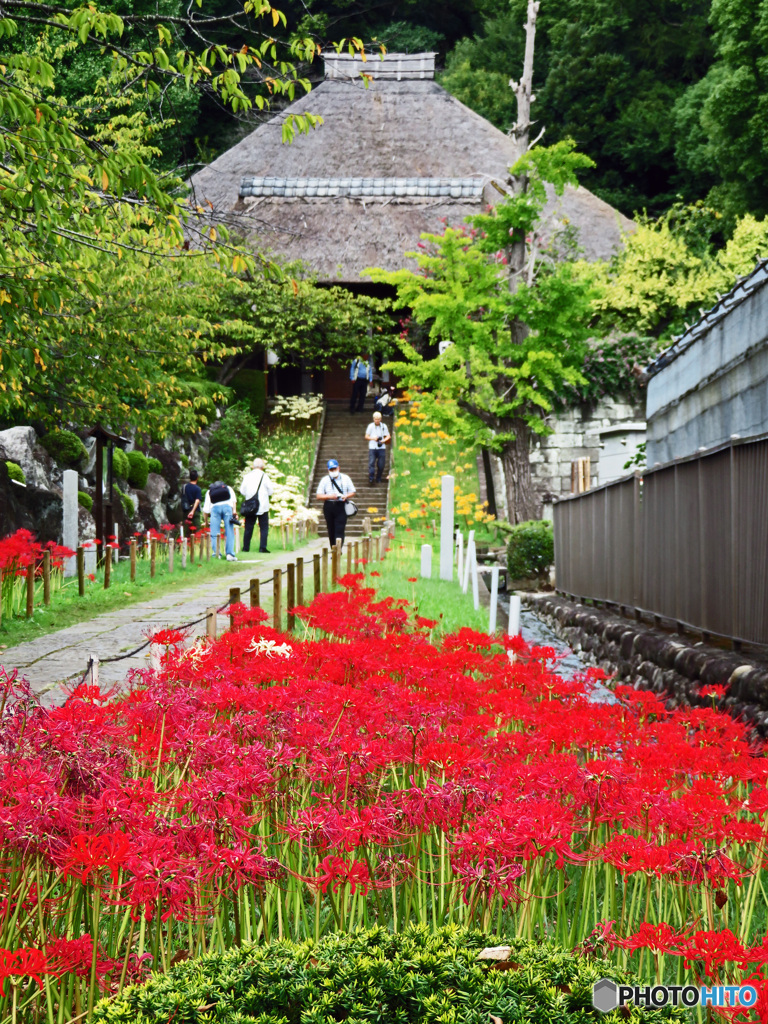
63, 656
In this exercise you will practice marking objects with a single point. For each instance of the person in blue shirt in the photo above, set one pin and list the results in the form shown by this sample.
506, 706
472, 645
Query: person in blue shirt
361, 374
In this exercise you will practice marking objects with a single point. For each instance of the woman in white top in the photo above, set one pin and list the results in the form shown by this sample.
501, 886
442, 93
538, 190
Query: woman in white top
333, 491
256, 488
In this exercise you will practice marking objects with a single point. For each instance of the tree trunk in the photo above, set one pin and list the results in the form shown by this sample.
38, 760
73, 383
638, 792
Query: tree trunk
515, 458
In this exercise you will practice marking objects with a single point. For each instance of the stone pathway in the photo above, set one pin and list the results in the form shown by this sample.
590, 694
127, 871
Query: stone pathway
58, 657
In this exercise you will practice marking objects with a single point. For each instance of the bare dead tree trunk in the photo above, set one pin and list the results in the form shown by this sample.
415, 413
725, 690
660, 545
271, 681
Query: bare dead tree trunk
515, 458
520, 134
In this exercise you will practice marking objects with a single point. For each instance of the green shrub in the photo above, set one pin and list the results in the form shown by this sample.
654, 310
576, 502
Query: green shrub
85, 500
155, 465
376, 976
531, 549
15, 472
65, 447
139, 470
250, 390
126, 501
235, 438
120, 464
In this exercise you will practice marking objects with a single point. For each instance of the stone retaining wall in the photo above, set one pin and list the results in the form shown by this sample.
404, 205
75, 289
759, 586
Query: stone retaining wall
651, 659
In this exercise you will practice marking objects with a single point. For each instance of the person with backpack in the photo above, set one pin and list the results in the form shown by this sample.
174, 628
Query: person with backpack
191, 500
220, 505
335, 492
361, 375
256, 489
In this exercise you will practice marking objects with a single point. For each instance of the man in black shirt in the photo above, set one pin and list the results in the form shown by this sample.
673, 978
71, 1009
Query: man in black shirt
191, 497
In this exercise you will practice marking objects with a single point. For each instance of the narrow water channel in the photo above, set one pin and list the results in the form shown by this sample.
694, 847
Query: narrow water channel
538, 633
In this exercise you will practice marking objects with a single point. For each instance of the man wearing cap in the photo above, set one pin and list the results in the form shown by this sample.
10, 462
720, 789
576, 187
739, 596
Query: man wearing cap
377, 437
333, 491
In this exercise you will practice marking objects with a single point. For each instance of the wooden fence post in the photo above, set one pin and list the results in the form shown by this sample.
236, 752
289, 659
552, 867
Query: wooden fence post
152, 556
107, 569
356, 556
349, 557
254, 593
277, 590
299, 582
30, 589
210, 623
46, 578
334, 564
316, 573
184, 550
290, 599
133, 559
325, 569
191, 549
81, 571
94, 667
234, 598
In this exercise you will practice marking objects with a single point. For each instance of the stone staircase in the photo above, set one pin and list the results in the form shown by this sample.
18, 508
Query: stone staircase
344, 439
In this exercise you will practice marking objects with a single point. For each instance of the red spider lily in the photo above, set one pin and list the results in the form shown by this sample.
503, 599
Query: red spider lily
336, 872
87, 855
659, 938
20, 963
711, 950
168, 637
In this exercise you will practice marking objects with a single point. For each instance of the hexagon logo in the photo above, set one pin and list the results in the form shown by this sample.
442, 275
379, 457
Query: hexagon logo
605, 995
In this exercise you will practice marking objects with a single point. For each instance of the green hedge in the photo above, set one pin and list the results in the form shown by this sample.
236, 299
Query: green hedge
235, 438
84, 499
121, 467
154, 465
15, 472
65, 447
139, 470
375, 976
250, 389
126, 501
531, 549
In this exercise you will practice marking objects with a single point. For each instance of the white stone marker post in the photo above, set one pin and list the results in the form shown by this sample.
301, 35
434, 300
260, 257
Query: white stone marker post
426, 561
446, 529
468, 561
116, 549
460, 555
183, 552
494, 599
69, 524
475, 580
514, 615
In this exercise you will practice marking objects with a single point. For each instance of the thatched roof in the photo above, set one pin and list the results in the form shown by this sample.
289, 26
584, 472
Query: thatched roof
405, 130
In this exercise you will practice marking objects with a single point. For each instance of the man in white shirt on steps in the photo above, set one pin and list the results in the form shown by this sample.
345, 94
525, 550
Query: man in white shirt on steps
377, 436
333, 491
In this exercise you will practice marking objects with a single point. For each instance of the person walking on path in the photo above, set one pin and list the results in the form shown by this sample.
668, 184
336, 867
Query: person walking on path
220, 504
334, 490
361, 374
377, 435
191, 500
257, 489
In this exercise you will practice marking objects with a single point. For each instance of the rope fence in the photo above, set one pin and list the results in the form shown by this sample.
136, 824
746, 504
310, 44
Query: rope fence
295, 573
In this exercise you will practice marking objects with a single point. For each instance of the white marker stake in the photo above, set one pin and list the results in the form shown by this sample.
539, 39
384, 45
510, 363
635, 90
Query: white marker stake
116, 549
475, 580
183, 552
460, 554
94, 670
494, 599
426, 561
468, 561
514, 615
446, 529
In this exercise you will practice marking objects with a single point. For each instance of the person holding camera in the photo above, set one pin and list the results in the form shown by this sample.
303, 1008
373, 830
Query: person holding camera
220, 505
334, 491
377, 436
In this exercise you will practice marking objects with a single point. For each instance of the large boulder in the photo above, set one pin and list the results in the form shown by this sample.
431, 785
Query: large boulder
20, 445
157, 488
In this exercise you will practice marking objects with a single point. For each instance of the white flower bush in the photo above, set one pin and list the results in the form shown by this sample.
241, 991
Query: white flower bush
288, 456
298, 407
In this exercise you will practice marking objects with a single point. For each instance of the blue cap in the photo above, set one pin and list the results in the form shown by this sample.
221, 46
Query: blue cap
333, 464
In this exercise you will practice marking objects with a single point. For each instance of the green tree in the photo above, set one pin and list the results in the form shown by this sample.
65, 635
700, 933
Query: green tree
512, 350
608, 75
723, 120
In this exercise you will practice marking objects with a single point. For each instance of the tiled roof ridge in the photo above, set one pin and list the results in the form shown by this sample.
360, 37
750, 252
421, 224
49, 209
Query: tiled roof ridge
457, 188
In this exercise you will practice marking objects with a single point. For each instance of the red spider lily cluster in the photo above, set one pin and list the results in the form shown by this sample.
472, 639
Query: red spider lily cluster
265, 785
21, 549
